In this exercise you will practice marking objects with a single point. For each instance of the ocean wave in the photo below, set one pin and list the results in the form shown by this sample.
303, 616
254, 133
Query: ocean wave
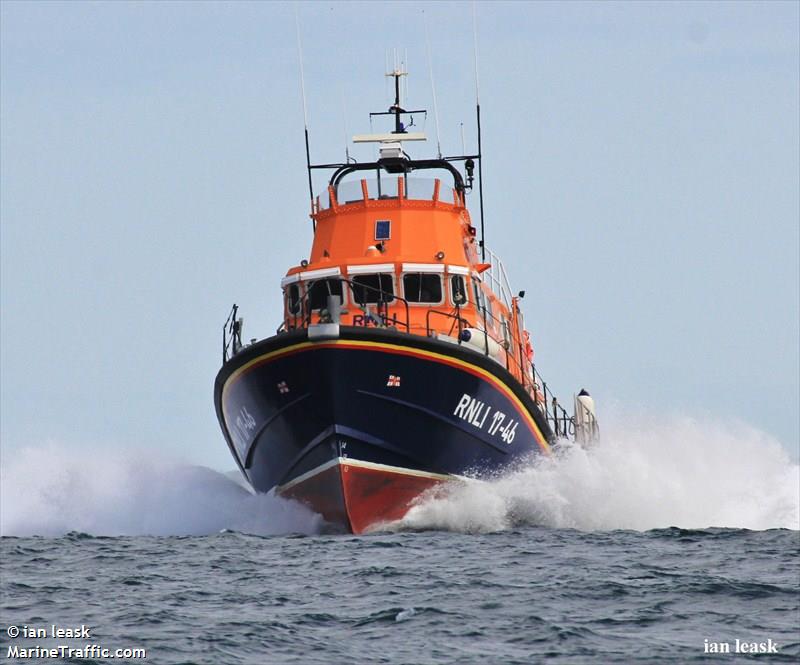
645, 474
52, 490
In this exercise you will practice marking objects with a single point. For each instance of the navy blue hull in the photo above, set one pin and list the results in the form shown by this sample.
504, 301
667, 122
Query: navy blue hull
288, 406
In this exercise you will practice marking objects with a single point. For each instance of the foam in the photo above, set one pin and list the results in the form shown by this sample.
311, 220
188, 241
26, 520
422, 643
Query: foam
648, 473
53, 489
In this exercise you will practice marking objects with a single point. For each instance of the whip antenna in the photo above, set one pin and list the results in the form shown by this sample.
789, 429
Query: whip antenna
305, 110
478, 113
433, 85
344, 121
386, 85
475, 52
404, 66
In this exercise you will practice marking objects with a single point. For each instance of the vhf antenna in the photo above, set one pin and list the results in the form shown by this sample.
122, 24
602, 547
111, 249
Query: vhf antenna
478, 112
305, 114
433, 86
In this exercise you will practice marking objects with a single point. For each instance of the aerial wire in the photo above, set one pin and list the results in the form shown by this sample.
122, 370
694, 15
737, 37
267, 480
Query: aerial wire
386, 86
405, 69
475, 51
305, 111
347, 157
302, 73
478, 113
344, 122
433, 86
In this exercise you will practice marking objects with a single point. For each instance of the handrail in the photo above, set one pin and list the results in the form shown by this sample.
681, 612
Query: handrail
498, 278
407, 166
562, 424
516, 361
587, 430
384, 298
233, 326
458, 320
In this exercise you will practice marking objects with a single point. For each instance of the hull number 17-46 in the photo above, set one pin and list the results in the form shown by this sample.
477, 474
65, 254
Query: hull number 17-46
478, 414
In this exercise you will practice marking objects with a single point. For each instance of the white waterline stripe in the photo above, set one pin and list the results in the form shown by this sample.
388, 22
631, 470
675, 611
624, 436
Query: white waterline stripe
366, 465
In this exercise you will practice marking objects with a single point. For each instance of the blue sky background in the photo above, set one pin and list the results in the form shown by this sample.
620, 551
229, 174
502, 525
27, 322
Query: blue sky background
641, 184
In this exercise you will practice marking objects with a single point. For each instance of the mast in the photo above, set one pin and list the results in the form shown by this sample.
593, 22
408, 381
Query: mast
392, 158
305, 115
395, 108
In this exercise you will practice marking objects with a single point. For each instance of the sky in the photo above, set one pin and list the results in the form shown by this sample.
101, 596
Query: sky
641, 170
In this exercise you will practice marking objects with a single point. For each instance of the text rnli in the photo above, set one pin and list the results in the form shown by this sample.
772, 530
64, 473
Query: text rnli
477, 413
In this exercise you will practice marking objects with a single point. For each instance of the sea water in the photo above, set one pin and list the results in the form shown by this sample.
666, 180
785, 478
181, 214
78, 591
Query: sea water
667, 542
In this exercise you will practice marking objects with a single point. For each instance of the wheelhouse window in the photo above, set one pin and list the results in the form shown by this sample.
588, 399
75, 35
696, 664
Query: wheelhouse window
422, 287
319, 290
458, 290
370, 289
293, 299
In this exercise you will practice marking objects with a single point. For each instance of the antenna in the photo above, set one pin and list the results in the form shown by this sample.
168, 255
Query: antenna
475, 52
433, 88
405, 69
478, 113
396, 109
386, 86
344, 123
305, 111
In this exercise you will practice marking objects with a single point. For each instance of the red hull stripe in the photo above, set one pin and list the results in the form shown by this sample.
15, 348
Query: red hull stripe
396, 349
360, 495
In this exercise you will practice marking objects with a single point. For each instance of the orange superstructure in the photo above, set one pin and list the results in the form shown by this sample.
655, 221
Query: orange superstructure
410, 262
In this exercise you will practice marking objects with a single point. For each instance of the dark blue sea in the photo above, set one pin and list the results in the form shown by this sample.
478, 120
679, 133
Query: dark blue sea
632, 552
525, 595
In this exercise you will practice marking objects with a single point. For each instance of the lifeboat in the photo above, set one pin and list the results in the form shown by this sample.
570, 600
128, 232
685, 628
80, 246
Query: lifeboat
401, 362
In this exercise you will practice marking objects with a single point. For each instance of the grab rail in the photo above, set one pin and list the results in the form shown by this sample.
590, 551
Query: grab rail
557, 417
233, 326
562, 424
458, 320
302, 319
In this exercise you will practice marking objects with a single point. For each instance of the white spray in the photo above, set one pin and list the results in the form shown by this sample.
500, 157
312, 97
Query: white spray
647, 474
644, 475
51, 489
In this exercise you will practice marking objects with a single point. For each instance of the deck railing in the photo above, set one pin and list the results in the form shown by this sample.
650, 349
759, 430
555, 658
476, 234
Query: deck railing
516, 362
515, 357
232, 327
497, 279
302, 317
